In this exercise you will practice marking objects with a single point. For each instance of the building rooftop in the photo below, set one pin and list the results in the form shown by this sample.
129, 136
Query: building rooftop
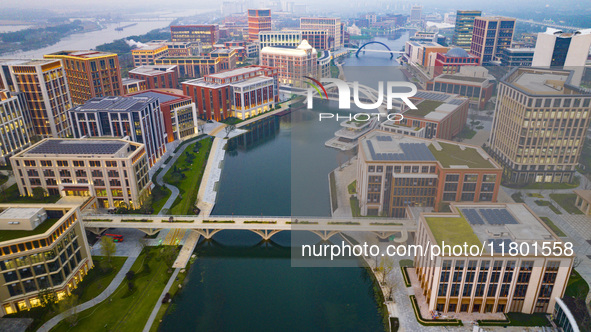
460, 156
152, 70
541, 82
378, 145
301, 50
464, 78
115, 104
7, 235
519, 50
252, 80
87, 54
434, 106
128, 81
19, 213
163, 97
26, 62
235, 72
76, 147
497, 223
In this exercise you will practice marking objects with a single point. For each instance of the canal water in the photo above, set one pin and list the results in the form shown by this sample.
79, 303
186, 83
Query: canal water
280, 168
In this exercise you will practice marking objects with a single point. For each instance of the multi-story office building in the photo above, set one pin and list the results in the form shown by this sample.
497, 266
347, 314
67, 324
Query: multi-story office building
148, 53
241, 93
45, 87
157, 77
517, 57
284, 38
471, 82
184, 48
90, 74
453, 60
415, 14
139, 118
491, 35
419, 53
397, 172
204, 34
332, 25
179, 113
258, 20
131, 85
442, 115
43, 248
293, 63
14, 130
555, 48
464, 27
540, 125
525, 281
198, 66
292, 38
113, 170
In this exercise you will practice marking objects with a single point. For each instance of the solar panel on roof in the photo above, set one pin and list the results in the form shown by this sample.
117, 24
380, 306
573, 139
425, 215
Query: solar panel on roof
498, 216
497, 248
473, 217
456, 101
77, 147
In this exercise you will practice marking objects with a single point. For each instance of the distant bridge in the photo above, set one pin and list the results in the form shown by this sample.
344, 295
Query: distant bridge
547, 24
264, 226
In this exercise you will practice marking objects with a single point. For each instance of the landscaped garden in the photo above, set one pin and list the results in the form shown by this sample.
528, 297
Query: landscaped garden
90, 287
567, 202
186, 175
553, 226
549, 204
129, 307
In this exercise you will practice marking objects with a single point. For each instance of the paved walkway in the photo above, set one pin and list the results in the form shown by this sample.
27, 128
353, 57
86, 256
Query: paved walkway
159, 303
187, 250
213, 170
89, 304
343, 177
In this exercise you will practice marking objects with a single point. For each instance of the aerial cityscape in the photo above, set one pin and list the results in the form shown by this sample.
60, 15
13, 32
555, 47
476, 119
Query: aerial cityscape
285, 165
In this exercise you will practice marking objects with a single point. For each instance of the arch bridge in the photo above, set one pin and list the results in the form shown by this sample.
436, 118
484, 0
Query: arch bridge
265, 227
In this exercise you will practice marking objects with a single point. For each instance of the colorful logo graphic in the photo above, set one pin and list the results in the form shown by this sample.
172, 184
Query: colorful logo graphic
318, 84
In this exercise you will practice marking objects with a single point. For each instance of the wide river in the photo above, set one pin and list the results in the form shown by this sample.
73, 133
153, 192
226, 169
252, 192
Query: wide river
240, 283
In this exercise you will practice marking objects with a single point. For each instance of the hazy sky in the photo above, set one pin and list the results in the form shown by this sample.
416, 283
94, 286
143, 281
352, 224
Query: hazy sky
149, 5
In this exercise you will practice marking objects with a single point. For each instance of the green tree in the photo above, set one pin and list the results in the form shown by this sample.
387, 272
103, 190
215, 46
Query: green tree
386, 266
108, 247
39, 193
47, 299
70, 303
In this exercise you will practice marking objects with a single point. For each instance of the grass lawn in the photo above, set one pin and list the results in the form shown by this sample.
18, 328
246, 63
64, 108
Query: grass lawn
567, 202
17, 234
351, 187
90, 287
517, 197
174, 289
231, 121
451, 154
355, 209
577, 286
519, 319
548, 204
160, 195
188, 176
452, 230
98, 278
406, 263
467, 133
12, 195
125, 310
552, 226
333, 191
